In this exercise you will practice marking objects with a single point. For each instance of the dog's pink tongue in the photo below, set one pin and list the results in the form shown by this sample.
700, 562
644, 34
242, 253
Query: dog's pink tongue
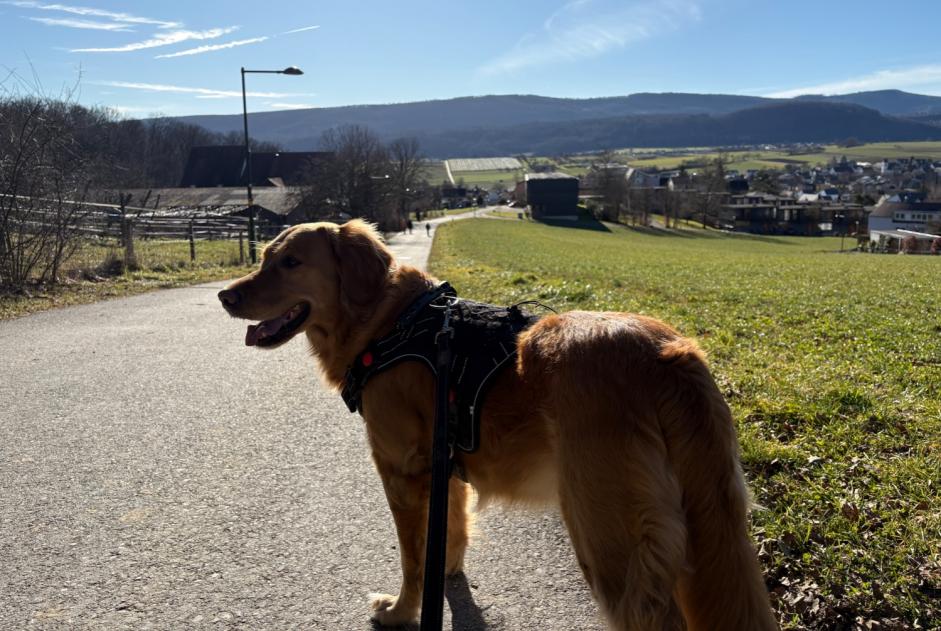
263, 329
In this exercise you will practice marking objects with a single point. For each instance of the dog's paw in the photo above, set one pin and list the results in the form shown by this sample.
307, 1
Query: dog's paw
389, 612
454, 566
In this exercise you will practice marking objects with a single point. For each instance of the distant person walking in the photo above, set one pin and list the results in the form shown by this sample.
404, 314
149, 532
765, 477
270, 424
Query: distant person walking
428, 229
408, 225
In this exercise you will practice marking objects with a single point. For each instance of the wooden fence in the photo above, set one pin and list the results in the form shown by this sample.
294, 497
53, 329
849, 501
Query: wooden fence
105, 223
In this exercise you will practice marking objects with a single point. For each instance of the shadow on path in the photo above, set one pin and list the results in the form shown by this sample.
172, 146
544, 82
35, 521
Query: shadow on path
465, 614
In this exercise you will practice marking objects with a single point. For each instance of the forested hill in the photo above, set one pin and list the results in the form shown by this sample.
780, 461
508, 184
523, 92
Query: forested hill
305, 125
787, 122
490, 125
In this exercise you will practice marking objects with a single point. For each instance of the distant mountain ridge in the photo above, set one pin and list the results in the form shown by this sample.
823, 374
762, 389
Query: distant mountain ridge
890, 102
776, 123
468, 112
502, 124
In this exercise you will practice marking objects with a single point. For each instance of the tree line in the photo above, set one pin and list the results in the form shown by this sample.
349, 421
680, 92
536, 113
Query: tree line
361, 176
688, 196
56, 156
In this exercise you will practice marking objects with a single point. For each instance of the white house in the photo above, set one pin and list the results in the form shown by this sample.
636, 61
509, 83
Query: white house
890, 215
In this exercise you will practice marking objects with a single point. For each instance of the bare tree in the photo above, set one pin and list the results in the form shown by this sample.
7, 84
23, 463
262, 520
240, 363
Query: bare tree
640, 204
610, 183
406, 165
44, 180
670, 200
355, 179
713, 188
55, 155
766, 181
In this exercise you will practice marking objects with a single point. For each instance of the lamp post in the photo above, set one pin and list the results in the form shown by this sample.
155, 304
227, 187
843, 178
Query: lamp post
291, 70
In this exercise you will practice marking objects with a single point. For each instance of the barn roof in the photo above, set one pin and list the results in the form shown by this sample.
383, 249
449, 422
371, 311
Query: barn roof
280, 200
553, 175
222, 165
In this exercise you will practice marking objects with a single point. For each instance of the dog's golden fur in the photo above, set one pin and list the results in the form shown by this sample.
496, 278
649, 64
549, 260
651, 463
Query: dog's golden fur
613, 416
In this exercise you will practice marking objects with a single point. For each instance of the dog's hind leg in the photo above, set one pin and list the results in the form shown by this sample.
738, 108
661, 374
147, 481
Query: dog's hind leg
623, 509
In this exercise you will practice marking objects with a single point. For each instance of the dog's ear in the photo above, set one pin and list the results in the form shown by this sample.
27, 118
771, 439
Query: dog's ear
363, 263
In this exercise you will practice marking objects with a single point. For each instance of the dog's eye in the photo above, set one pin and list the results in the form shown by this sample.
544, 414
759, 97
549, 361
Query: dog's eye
289, 262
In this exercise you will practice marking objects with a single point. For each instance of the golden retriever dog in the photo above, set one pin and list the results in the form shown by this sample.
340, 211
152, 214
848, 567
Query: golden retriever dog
615, 417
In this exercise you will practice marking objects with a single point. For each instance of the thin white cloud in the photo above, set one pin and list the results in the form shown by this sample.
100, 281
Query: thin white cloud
209, 48
84, 24
589, 28
205, 93
161, 39
290, 106
927, 78
301, 30
126, 110
89, 11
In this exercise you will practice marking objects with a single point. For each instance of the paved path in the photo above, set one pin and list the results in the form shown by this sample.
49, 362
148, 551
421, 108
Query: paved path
155, 473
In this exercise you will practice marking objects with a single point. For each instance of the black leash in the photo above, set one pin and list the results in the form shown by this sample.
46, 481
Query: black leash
432, 609
448, 429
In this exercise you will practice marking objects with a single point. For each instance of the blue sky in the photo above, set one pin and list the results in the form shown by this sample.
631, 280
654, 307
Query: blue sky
174, 57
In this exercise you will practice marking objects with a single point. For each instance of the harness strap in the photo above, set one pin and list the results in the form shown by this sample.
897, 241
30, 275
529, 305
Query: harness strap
365, 365
442, 450
444, 289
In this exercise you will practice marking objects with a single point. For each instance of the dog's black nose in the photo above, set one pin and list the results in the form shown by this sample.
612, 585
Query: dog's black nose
230, 297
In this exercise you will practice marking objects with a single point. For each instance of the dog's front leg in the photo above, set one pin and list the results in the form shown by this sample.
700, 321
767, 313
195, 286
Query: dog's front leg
408, 499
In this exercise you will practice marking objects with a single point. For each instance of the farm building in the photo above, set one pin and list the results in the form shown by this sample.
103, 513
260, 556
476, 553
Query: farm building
550, 194
274, 205
223, 165
454, 196
213, 182
761, 213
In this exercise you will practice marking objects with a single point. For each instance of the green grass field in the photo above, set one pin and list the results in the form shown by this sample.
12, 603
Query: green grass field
696, 157
744, 160
831, 363
572, 169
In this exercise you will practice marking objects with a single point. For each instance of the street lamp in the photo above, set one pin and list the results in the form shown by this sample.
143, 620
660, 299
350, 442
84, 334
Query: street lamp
291, 70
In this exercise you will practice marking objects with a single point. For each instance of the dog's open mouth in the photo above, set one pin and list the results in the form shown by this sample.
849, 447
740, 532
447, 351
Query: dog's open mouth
276, 330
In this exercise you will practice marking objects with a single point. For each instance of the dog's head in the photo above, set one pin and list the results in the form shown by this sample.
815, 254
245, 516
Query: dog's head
311, 276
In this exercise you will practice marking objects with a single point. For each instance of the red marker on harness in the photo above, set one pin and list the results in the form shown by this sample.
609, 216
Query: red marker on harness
367, 359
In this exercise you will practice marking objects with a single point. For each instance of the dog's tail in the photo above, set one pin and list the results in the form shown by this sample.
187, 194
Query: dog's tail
724, 587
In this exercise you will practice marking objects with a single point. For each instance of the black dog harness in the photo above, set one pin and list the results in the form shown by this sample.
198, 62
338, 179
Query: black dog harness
465, 344
483, 342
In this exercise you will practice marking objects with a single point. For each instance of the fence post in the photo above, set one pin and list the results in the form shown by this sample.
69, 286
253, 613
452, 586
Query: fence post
241, 248
192, 243
127, 235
